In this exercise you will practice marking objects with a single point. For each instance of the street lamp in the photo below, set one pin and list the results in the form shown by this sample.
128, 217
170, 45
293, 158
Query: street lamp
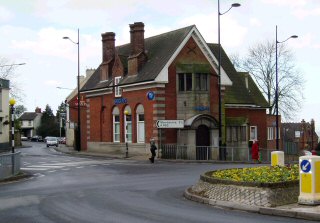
277, 86
221, 156
78, 85
64, 88
11, 65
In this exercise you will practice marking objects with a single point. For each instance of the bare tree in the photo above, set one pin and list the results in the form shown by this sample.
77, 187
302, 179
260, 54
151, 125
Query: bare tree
260, 62
8, 72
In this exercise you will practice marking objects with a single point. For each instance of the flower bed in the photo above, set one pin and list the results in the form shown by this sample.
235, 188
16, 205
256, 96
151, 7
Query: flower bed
260, 186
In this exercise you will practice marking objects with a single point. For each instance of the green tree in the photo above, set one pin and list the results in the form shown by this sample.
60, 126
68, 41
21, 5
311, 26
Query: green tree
61, 117
49, 125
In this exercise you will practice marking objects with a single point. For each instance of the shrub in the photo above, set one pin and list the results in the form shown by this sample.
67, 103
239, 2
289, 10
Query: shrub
263, 174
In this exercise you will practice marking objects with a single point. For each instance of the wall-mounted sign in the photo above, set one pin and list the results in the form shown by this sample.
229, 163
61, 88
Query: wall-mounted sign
170, 124
118, 101
82, 102
150, 95
297, 134
201, 108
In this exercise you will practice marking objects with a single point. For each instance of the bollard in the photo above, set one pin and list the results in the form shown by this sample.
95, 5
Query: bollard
309, 167
277, 158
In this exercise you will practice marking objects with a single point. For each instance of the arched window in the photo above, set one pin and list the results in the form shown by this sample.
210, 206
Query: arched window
140, 124
116, 124
128, 124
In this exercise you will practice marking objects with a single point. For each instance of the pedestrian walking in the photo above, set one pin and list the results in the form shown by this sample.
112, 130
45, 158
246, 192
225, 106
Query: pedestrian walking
153, 149
255, 151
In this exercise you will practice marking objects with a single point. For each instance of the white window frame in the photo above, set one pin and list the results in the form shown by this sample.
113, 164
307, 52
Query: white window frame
115, 113
140, 111
270, 133
255, 137
117, 90
126, 123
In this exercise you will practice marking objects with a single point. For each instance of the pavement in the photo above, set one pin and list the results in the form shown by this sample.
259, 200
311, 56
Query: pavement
294, 210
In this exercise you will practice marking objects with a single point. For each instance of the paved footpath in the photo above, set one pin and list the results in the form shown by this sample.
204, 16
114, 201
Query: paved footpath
292, 210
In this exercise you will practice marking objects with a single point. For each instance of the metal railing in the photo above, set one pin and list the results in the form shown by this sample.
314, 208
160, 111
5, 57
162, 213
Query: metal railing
9, 164
233, 154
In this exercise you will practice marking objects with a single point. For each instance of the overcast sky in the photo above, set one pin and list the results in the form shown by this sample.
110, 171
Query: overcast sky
32, 30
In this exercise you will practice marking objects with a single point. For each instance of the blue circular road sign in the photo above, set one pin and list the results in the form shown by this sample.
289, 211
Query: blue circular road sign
305, 166
150, 95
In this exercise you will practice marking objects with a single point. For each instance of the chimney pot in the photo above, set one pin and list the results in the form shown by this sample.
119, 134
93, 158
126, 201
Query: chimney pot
137, 37
108, 46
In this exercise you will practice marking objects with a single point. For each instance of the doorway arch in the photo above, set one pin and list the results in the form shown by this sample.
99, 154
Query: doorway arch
203, 149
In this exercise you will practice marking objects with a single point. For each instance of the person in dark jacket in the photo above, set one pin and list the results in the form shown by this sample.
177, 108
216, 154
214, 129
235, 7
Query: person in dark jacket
153, 149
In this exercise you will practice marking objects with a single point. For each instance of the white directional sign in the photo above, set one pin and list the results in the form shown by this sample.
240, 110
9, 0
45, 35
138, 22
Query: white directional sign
170, 124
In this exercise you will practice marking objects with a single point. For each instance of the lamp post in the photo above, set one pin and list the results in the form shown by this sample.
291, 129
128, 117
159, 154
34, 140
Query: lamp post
12, 103
277, 86
221, 150
11, 65
78, 86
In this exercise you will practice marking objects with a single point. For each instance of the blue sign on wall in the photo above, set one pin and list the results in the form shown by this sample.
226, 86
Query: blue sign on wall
150, 95
305, 166
118, 101
202, 108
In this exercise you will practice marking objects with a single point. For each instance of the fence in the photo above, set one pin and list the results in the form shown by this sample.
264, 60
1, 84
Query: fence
9, 164
186, 152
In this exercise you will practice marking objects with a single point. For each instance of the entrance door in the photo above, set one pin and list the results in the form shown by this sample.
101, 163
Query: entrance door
203, 150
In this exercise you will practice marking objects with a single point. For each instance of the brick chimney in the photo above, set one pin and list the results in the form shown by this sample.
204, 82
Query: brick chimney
136, 38
137, 56
38, 110
108, 53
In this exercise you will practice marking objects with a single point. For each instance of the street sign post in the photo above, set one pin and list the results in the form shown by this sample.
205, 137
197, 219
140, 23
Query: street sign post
170, 124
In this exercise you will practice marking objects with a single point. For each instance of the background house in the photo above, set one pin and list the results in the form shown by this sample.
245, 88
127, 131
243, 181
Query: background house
299, 136
30, 121
4, 114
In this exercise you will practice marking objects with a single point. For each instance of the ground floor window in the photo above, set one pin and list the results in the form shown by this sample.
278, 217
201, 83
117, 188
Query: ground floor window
270, 133
128, 124
140, 124
236, 134
116, 125
253, 133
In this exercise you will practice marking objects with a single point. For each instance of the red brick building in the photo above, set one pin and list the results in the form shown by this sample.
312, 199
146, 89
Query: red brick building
172, 76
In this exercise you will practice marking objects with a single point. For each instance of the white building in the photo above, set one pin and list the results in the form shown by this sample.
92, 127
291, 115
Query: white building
30, 121
4, 114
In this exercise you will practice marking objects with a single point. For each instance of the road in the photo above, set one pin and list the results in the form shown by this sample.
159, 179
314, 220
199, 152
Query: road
68, 188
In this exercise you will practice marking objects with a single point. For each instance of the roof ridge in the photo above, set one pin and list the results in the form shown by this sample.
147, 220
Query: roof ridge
161, 34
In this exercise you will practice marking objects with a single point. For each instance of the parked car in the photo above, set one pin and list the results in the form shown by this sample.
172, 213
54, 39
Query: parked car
62, 140
24, 138
305, 153
36, 138
52, 141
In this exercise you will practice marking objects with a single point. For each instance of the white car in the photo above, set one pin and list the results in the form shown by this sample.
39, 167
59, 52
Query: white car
52, 141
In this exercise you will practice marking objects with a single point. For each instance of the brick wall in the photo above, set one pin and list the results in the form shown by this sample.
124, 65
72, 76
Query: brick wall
256, 117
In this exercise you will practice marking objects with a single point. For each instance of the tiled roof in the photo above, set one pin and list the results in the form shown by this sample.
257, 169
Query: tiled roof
238, 92
158, 48
28, 116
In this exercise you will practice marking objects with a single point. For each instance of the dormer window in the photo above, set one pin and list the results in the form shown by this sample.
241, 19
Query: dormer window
117, 90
